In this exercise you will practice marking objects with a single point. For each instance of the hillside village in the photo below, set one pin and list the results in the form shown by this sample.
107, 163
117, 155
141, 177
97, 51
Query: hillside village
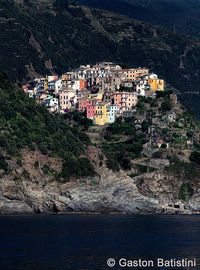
129, 111
104, 122
102, 92
135, 123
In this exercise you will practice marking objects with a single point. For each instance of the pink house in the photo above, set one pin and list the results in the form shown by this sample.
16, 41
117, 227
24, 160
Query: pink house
88, 106
82, 104
90, 111
91, 108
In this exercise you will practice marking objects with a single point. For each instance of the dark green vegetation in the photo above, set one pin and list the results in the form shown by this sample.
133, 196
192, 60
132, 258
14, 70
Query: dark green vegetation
79, 120
186, 192
3, 164
177, 15
122, 144
187, 171
41, 37
77, 167
25, 124
189, 174
195, 157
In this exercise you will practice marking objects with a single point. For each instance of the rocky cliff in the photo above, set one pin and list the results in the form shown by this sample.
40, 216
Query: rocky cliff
30, 190
37, 192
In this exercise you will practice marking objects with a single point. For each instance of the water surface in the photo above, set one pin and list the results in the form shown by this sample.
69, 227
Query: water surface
86, 242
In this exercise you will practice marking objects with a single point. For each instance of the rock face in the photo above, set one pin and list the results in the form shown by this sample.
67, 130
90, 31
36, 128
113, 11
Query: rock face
28, 190
194, 203
13, 206
107, 193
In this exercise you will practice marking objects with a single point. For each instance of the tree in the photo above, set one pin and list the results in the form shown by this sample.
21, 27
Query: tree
70, 168
145, 126
190, 134
112, 164
3, 164
186, 191
164, 146
195, 157
126, 163
166, 106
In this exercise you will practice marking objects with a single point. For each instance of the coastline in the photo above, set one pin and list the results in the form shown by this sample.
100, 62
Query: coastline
79, 213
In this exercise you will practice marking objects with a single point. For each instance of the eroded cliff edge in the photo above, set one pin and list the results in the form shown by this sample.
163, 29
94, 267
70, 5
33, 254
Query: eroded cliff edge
29, 190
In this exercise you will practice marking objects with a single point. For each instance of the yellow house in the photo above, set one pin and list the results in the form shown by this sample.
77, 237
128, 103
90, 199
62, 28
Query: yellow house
156, 84
101, 114
98, 96
46, 85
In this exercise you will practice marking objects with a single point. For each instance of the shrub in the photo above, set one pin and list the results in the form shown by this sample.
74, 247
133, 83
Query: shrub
69, 168
157, 155
43, 149
186, 192
125, 164
184, 169
166, 106
145, 126
85, 167
36, 165
195, 157
190, 134
163, 146
26, 174
81, 167
113, 165
19, 162
101, 157
46, 169
3, 164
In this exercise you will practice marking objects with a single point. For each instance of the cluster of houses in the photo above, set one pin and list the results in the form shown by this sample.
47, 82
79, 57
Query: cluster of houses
103, 91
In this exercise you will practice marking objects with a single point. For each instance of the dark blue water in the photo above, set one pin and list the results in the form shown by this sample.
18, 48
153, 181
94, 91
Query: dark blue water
86, 242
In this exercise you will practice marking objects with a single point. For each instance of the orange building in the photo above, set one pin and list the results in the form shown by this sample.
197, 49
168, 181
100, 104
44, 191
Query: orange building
156, 84
83, 84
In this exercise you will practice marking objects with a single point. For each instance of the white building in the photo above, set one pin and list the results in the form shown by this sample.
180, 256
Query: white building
68, 99
52, 104
142, 86
58, 86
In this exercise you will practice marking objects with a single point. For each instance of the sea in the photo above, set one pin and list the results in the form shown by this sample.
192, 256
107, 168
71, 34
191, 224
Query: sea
97, 242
